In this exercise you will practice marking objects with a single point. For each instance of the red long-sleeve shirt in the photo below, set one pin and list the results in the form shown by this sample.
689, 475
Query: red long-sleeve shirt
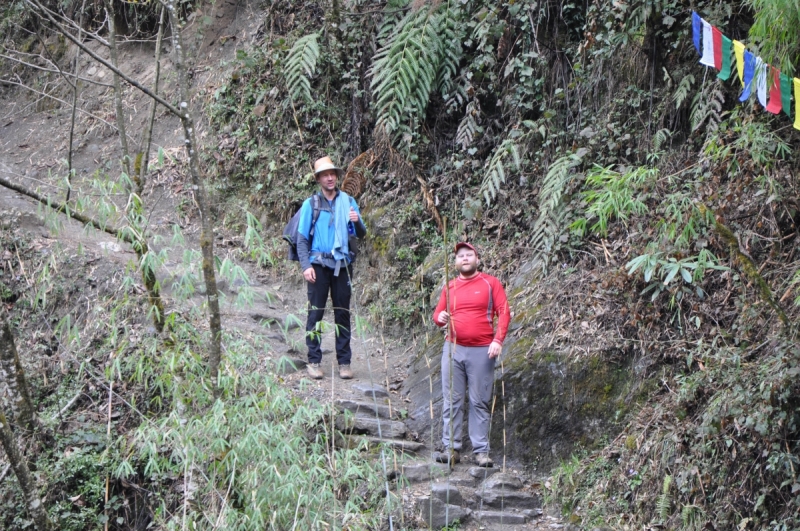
474, 303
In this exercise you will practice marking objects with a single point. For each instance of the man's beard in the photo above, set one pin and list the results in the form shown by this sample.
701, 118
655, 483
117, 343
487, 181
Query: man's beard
467, 269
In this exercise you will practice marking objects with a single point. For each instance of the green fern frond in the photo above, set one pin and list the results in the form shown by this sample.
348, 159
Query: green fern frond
682, 92
663, 503
551, 211
707, 108
300, 66
420, 54
660, 139
495, 170
468, 129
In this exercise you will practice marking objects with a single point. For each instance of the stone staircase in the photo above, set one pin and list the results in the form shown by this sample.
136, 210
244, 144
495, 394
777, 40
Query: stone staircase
436, 494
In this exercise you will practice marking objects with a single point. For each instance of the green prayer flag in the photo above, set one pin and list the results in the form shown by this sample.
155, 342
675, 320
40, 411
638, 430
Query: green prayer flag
786, 94
725, 71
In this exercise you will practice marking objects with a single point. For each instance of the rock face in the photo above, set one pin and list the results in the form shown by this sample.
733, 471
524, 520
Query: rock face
553, 403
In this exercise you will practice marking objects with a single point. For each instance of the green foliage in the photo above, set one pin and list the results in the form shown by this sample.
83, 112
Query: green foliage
420, 54
613, 195
707, 107
495, 169
548, 224
773, 21
272, 454
300, 66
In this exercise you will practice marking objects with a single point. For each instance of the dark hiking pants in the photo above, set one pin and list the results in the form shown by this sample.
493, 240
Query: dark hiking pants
339, 289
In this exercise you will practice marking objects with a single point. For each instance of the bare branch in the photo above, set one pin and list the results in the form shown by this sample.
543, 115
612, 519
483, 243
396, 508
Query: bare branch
38, 6
20, 61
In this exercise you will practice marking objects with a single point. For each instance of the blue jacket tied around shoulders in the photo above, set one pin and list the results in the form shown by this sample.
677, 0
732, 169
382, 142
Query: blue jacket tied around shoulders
329, 246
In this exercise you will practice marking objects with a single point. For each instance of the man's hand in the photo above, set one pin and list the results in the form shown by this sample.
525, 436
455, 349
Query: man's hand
310, 275
495, 349
444, 318
353, 215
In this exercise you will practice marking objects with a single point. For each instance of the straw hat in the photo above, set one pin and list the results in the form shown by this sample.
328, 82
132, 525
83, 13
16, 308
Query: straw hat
325, 163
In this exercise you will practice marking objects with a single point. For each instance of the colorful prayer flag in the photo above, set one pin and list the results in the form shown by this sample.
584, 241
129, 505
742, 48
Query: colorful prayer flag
796, 99
738, 50
774, 83
697, 30
716, 38
708, 46
749, 75
725, 72
786, 94
761, 81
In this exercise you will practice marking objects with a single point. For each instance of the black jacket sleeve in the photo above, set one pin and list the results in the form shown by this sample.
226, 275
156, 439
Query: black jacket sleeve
304, 251
361, 229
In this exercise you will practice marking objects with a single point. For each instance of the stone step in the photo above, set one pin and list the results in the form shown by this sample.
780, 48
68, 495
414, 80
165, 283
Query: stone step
420, 472
500, 517
502, 480
507, 499
362, 425
370, 390
438, 514
364, 408
447, 493
354, 441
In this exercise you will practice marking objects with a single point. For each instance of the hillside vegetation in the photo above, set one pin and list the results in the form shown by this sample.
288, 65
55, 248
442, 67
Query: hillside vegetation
580, 141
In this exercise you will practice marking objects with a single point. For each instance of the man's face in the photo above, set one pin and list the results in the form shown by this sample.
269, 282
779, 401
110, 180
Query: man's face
466, 261
327, 179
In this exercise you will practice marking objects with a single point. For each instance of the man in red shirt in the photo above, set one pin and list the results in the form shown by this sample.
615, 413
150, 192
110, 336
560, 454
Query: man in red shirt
469, 353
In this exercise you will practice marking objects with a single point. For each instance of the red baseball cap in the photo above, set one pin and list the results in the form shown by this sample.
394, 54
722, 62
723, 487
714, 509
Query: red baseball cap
468, 245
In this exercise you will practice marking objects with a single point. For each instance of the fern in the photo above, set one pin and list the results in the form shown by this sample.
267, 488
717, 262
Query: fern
682, 92
301, 63
551, 211
660, 138
663, 503
495, 171
707, 108
393, 14
468, 129
417, 57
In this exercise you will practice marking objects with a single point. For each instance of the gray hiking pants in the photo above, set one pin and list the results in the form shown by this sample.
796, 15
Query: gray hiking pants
471, 369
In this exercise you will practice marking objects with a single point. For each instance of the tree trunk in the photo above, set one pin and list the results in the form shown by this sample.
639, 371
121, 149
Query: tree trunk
143, 158
12, 374
32, 500
206, 230
75, 93
112, 42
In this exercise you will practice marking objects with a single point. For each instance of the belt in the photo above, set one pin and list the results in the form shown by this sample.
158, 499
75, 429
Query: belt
329, 256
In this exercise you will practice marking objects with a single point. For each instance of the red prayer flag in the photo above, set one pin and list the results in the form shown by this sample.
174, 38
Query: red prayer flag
775, 105
716, 35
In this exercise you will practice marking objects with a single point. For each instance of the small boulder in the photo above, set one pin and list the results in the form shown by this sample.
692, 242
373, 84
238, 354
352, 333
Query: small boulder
503, 480
438, 514
447, 493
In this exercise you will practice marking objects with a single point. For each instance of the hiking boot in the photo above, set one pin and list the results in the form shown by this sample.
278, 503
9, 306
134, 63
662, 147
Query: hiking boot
448, 456
345, 372
483, 460
314, 371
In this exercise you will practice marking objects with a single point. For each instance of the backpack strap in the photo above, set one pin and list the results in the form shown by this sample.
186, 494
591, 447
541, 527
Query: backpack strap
315, 210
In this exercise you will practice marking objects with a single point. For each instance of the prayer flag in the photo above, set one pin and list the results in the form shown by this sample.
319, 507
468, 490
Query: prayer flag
796, 99
708, 45
774, 83
716, 37
725, 72
786, 94
738, 49
697, 30
761, 81
749, 74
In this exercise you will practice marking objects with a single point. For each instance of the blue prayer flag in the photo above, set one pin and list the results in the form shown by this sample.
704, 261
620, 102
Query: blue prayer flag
749, 74
697, 30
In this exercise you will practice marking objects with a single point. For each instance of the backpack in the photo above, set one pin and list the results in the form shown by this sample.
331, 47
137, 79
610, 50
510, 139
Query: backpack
290, 231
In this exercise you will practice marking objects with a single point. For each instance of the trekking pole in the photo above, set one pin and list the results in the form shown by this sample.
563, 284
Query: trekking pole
451, 351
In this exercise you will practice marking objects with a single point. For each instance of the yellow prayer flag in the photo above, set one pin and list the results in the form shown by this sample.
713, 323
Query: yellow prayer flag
738, 49
796, 100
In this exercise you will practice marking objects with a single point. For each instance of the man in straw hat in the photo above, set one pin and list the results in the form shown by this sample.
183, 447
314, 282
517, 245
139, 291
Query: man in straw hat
468, 306
325, 259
